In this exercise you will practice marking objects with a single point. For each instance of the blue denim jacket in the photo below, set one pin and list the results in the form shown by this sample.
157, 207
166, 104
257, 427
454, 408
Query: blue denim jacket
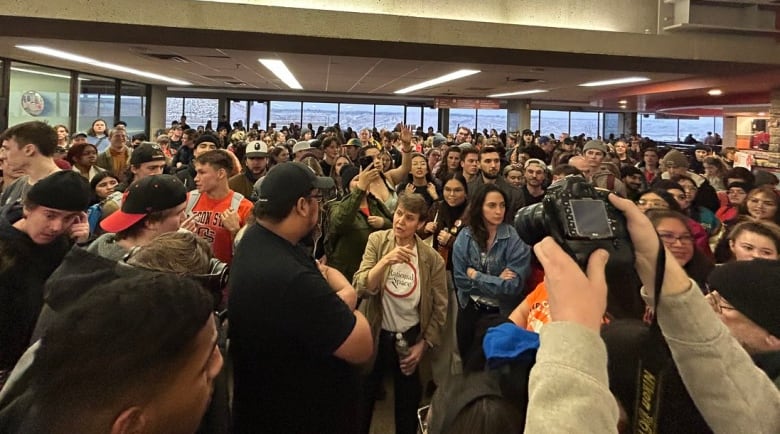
508, 251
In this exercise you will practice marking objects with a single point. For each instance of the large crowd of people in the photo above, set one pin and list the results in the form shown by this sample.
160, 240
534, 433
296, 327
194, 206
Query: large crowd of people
320, 263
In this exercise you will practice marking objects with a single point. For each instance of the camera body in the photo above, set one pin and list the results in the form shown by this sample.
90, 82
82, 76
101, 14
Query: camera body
580, 218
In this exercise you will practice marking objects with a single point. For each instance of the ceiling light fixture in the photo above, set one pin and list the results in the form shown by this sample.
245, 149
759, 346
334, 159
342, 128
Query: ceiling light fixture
48, 74
625, 80
762, 113
280, 70
623, 102
64, 55
715, 92
522, 92
439, 80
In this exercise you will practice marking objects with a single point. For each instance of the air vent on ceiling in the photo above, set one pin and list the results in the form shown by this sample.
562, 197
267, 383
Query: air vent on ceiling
235, 83
173, 57
522, 80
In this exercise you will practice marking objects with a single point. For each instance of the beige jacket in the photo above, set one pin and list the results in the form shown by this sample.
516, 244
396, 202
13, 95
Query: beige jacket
433, 284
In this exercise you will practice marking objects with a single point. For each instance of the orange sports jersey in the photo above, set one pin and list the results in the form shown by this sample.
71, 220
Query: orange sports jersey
207, 214
539, 309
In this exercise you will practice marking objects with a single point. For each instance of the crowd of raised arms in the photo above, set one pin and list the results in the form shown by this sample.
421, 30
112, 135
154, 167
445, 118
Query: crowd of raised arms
234, 279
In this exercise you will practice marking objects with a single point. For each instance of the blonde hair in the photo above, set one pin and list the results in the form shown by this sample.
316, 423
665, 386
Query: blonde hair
180, 252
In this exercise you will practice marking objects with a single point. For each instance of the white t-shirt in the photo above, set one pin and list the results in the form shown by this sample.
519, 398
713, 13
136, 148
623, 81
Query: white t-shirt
401, 296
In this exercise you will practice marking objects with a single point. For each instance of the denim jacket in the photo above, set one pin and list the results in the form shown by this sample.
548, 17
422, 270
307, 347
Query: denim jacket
508, 251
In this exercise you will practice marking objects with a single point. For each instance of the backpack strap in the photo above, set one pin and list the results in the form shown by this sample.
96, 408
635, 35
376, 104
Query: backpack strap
192, 201
236, 201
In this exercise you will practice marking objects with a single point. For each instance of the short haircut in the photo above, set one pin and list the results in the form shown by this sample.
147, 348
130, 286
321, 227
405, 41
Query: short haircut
328, 141
117, 130
565, 170
468, 131
464, 152
116, 348
650, 149
192, 134
414, 203
218, 159
488, 150
453, 150
740, 173
180, 252
36, 133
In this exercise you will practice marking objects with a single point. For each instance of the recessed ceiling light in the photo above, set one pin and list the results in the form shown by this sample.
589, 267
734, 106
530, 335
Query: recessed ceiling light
622, 101
715, 92
522, 92
439, 80
614, 81
64, 55
762, 113
280, 70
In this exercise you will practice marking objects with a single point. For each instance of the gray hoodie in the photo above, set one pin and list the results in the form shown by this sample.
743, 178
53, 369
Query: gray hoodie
107, 247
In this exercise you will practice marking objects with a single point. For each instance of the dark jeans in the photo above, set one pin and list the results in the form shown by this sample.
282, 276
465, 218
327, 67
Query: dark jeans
407, 388
472, 323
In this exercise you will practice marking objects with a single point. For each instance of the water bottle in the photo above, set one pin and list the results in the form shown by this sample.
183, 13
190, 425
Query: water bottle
401, 346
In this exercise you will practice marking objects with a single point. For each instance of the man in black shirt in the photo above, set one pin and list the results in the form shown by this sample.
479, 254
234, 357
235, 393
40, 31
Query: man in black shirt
535, 174
295, 336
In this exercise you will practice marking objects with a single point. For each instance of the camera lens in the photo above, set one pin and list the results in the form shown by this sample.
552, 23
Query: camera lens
531, 224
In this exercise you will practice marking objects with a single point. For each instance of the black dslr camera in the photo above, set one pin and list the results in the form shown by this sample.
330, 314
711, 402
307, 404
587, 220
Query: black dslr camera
581, 219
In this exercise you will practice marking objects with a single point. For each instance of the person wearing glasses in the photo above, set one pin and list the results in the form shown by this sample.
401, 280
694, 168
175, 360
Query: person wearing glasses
674, 231
697, 230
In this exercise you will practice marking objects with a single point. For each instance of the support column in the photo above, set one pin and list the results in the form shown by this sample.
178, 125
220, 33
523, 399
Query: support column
774, 121
630, 124
157, 108
444, 121
518, 115
730, 131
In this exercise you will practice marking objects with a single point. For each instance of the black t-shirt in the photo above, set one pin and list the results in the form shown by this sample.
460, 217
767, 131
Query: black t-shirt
285, 324
529, 198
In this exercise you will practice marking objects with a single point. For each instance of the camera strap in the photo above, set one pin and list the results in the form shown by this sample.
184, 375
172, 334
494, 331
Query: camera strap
655, 363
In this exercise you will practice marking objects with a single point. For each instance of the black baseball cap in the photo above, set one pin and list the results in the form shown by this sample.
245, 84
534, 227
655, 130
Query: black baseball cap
61, 190
146, 152
145, 196
288, 182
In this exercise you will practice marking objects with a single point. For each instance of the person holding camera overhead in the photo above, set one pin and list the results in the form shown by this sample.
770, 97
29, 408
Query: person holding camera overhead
490, 265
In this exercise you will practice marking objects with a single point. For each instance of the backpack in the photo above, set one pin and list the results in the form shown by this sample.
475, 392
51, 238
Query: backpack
235, 202
94, 215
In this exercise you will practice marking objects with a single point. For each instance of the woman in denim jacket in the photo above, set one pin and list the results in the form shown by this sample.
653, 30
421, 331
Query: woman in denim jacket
490, 264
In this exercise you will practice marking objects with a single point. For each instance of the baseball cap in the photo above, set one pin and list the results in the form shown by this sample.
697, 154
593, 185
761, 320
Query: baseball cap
595, 144
145, 153
79, 134
286, 183
206, 138
255, 149
354, 142
543, 140
145, 196
675, 158
439, 139
301, 146
62, 191
536, 161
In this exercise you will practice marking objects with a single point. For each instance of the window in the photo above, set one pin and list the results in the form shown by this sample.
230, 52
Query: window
534, 120
38, 93
132, 106
357, 116
583, 122
414, 116
553, 122
284, 113
718, 125
430, 119
612, 124
388, 116
201, 110
462, 118
320, 114
96, 101
663, 130
238, 112
258, 113
697, 127
492, 119
174, 107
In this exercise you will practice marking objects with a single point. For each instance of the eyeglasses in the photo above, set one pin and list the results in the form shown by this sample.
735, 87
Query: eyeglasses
670, 238
717, 303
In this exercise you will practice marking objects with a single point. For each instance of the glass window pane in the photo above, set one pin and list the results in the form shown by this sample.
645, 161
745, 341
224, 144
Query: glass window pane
284, 113
662, 130
553, 122
320, 114
534, 120
414, 116
238, 112
462, 118
718, 128
38, 93
96, 101
431, 118
201, 110
698, 127
584, 122
132, 106
258, 114
388, 116
174, 108
356, 116
492, 119
612, 124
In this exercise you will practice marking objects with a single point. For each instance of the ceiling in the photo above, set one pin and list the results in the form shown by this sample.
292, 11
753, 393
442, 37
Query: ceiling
223, 68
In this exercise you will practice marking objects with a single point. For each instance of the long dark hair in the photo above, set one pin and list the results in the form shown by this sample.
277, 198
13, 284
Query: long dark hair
474, 217
447, 213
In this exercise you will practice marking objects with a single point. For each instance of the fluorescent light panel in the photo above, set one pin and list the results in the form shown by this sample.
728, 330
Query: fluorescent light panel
522, 92
439, 80
48, 74
625, 80
280, 70
64, 55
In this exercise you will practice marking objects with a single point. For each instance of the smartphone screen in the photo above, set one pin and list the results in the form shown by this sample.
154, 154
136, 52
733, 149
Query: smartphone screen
590, 218
365, 162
